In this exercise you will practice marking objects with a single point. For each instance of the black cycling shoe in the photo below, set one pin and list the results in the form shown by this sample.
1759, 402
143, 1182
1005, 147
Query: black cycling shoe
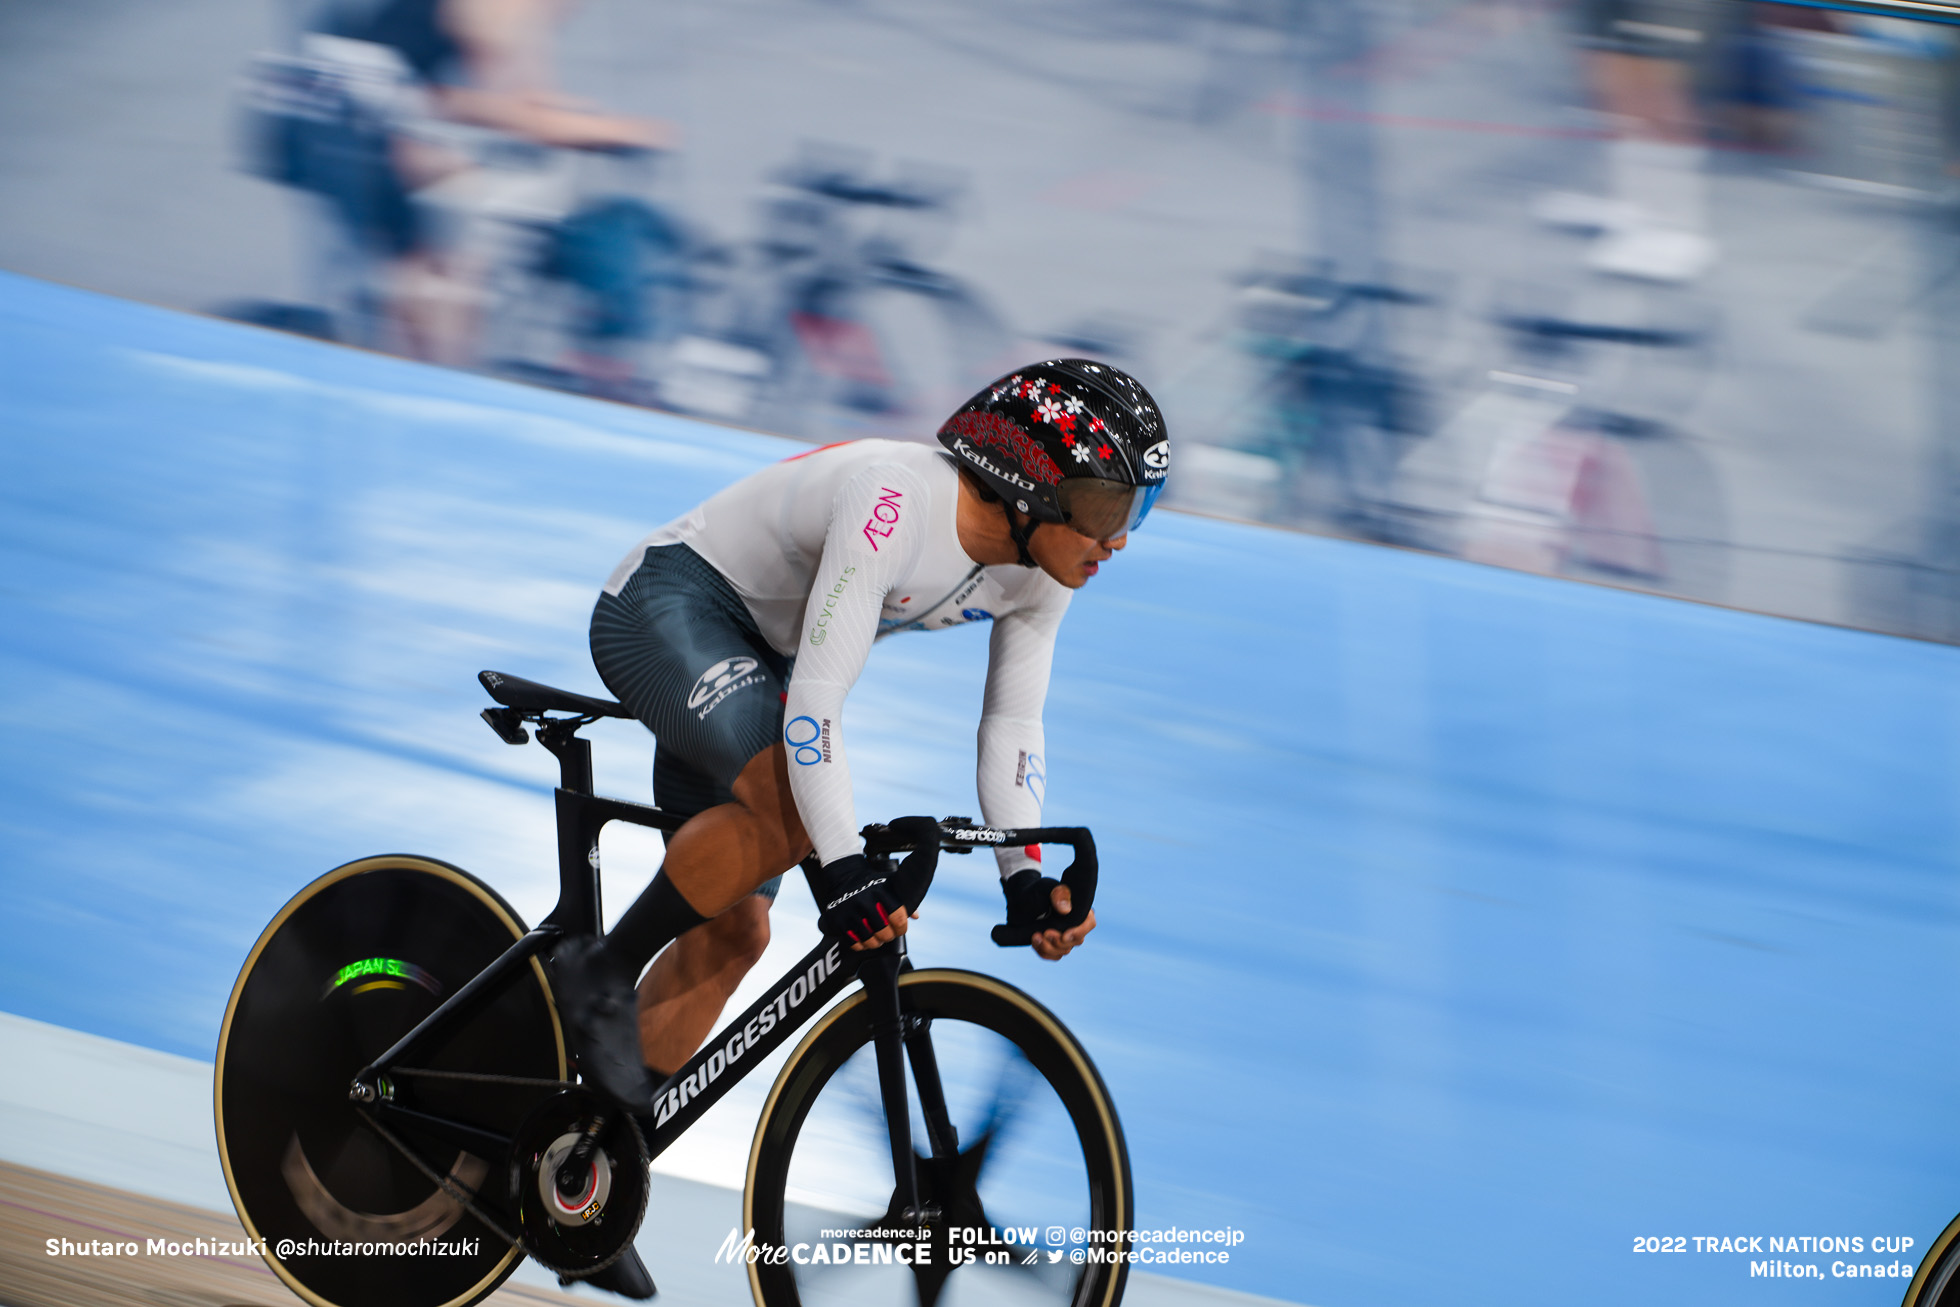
626, 1277
602, 1015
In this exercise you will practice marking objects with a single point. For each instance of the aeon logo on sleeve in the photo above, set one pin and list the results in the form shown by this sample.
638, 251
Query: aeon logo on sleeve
720, 681
884, 516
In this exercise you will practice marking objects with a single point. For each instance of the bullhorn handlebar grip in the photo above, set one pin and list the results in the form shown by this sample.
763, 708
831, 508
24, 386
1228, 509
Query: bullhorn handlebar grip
1079, 879
908, 835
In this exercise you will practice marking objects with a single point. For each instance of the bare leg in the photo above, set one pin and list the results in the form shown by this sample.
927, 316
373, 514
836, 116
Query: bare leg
716, 861
719, 857
685, 989
434, 306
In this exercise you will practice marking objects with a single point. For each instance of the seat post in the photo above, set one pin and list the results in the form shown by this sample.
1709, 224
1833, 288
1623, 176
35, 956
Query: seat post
578, 907
574, 755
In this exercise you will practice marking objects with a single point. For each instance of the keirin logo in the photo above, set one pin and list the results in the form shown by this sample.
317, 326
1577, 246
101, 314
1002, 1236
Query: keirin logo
808, 740
1032, 775
720, 681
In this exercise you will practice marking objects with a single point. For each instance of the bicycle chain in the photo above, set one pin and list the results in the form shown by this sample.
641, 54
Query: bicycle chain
443, 1182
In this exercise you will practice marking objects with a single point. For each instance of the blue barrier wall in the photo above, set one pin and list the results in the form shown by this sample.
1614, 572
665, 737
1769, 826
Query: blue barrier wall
1460, 927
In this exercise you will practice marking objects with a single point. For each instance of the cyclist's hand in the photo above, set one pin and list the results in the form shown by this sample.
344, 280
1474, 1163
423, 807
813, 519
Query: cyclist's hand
861, 905
1033, 900
1056, 944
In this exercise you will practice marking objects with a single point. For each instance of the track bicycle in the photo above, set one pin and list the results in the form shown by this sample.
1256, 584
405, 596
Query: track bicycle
1569, 458
1319, 410
828, 325
399, 1120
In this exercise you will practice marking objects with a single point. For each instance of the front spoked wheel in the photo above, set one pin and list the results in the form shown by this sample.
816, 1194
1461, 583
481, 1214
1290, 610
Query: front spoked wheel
1937, 1283
1025, 1203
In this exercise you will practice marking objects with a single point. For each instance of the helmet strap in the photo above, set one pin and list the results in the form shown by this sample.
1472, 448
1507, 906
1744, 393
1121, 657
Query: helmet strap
1021, 535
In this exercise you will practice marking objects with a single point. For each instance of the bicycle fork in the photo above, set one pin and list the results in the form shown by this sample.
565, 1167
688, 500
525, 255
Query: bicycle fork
896, 1036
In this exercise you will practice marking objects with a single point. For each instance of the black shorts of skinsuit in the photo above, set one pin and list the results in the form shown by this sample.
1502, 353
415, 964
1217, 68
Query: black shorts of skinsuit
680, 649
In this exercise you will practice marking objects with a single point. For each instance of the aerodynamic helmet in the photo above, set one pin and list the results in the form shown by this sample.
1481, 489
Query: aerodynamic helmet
1067, 440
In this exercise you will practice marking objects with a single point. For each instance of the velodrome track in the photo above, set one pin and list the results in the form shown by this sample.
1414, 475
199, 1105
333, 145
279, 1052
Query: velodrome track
1460, 927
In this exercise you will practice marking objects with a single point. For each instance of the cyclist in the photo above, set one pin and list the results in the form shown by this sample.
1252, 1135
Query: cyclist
486, 63
735, 631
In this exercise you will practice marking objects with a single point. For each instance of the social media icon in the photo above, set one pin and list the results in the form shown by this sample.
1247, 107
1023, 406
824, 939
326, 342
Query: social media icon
1056, 1234
1054, 1256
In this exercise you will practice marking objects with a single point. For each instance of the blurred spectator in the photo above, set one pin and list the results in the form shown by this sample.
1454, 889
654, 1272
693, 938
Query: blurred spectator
487, 63
1639, 59
1760, 91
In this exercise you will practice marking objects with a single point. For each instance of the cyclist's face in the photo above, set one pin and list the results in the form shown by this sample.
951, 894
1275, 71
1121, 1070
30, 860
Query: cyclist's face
1068, 555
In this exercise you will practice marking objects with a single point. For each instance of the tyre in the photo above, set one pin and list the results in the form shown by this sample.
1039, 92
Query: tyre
1040, 1169
1937, 1282
351, 964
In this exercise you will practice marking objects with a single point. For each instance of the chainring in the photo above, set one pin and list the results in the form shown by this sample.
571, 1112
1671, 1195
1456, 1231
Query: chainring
580, 1231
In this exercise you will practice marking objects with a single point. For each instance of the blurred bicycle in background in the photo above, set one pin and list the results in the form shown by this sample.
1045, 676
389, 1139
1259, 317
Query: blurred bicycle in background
1570, 456
1304, 404
829, 324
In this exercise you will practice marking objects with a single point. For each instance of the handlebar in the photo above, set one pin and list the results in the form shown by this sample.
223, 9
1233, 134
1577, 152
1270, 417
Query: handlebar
1321, 293
960, 835
1603, 332
619, 150
846, 183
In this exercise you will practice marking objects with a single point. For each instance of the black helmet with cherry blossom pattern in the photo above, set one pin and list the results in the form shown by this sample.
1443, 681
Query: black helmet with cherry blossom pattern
1067, 440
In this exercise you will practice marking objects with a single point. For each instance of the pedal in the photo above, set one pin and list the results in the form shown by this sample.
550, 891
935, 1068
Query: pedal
578, 1219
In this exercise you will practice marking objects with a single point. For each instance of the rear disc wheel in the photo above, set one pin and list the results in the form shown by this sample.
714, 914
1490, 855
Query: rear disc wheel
351, 964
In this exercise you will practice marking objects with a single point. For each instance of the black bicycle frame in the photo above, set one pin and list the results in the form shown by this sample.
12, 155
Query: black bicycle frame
751, 1037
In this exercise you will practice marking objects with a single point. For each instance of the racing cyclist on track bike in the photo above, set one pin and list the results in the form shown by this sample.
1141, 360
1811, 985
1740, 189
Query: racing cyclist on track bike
734, 633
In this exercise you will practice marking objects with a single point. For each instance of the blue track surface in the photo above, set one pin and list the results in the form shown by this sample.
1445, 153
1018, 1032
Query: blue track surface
1459, 926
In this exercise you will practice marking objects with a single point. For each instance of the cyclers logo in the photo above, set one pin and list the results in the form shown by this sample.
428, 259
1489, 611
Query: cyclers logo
821, 631
814, 747
720, 681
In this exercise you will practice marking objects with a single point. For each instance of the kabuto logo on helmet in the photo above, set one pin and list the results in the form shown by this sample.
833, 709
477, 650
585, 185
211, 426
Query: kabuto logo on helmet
993, 429
981, 461
1158, 457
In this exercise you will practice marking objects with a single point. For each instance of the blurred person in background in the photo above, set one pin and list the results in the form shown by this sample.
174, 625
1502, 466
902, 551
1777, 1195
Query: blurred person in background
1640, 59
1760, 80
484, 63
